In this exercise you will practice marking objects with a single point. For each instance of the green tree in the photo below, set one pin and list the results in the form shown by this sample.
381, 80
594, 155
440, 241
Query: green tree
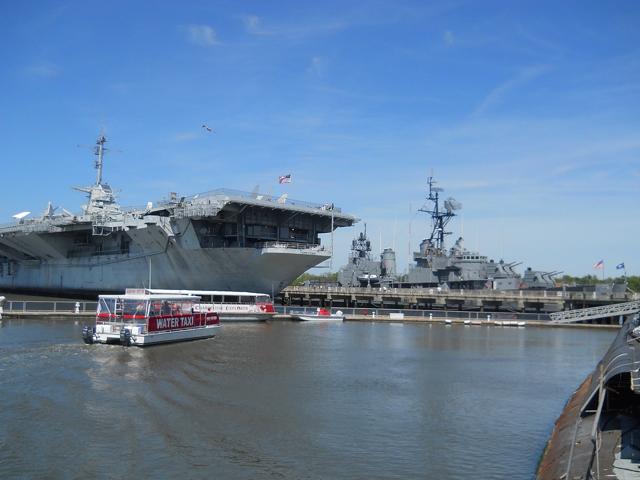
326, 277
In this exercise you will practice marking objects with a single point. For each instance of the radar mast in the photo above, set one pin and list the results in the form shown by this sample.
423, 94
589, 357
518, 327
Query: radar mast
101, 196
99, 152
439, 218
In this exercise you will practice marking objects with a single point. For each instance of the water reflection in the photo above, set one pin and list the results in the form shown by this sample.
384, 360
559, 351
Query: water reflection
289, 400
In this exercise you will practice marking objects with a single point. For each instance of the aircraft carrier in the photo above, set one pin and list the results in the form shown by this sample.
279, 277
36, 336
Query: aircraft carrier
218, 240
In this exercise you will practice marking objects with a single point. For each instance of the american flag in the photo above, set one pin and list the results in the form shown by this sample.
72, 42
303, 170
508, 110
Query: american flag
284, 178
599, 265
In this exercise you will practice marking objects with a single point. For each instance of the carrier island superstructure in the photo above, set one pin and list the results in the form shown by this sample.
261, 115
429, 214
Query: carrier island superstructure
218, 240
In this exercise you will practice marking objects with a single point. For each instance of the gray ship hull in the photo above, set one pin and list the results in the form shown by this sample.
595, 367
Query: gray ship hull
266, 270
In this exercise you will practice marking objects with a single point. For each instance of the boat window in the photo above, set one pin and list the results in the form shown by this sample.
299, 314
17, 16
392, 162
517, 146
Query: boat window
186, 306
231, 299
170, 307
156, 308
216, 298
134, 307
247, 300
107, 305
263, 299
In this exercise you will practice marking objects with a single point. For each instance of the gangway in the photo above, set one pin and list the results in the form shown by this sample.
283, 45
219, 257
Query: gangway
594, 313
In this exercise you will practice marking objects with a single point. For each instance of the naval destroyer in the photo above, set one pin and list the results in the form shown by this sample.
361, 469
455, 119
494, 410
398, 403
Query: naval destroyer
218, 240
435, 265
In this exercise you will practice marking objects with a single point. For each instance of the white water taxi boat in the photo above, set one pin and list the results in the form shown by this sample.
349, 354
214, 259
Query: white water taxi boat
147, 319
321, 315
230, 306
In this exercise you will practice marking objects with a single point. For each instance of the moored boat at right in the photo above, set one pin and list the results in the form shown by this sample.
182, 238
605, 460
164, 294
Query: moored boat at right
320, 315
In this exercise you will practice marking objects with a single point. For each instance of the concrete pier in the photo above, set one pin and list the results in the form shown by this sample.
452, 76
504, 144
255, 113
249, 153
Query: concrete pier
433, 298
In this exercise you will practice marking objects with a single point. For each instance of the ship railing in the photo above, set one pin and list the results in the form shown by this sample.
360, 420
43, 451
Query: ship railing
373, 312
198, 201
197, 210
541, 295
65, 307
34, 226
292, 246
226, 193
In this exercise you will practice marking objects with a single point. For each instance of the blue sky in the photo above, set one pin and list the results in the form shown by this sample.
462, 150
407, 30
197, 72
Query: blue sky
526, 112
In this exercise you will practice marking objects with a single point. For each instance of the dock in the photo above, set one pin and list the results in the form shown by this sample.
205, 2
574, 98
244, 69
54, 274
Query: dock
525, 300
85, 310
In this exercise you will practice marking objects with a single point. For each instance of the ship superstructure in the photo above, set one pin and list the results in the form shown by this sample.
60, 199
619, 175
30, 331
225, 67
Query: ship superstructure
362, 270
435, 265
217, 240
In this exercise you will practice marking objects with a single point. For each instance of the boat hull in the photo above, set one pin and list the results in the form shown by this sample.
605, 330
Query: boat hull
320, 318
244, 317
156, 338
240, 269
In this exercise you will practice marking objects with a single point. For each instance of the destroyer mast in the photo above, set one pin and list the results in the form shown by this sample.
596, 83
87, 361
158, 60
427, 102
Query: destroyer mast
439, 218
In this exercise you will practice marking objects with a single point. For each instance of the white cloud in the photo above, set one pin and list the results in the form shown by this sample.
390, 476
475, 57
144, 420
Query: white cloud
185, 136
202, 35
318, 66
496, 95
43, 69
448, 38
253, 25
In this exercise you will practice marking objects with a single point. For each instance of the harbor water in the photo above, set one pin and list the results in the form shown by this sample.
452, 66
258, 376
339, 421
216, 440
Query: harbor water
288, 400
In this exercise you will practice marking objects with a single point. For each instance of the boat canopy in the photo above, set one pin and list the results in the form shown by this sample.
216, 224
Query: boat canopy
139, 306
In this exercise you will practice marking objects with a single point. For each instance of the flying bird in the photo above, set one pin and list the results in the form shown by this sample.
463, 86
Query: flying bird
207, 128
